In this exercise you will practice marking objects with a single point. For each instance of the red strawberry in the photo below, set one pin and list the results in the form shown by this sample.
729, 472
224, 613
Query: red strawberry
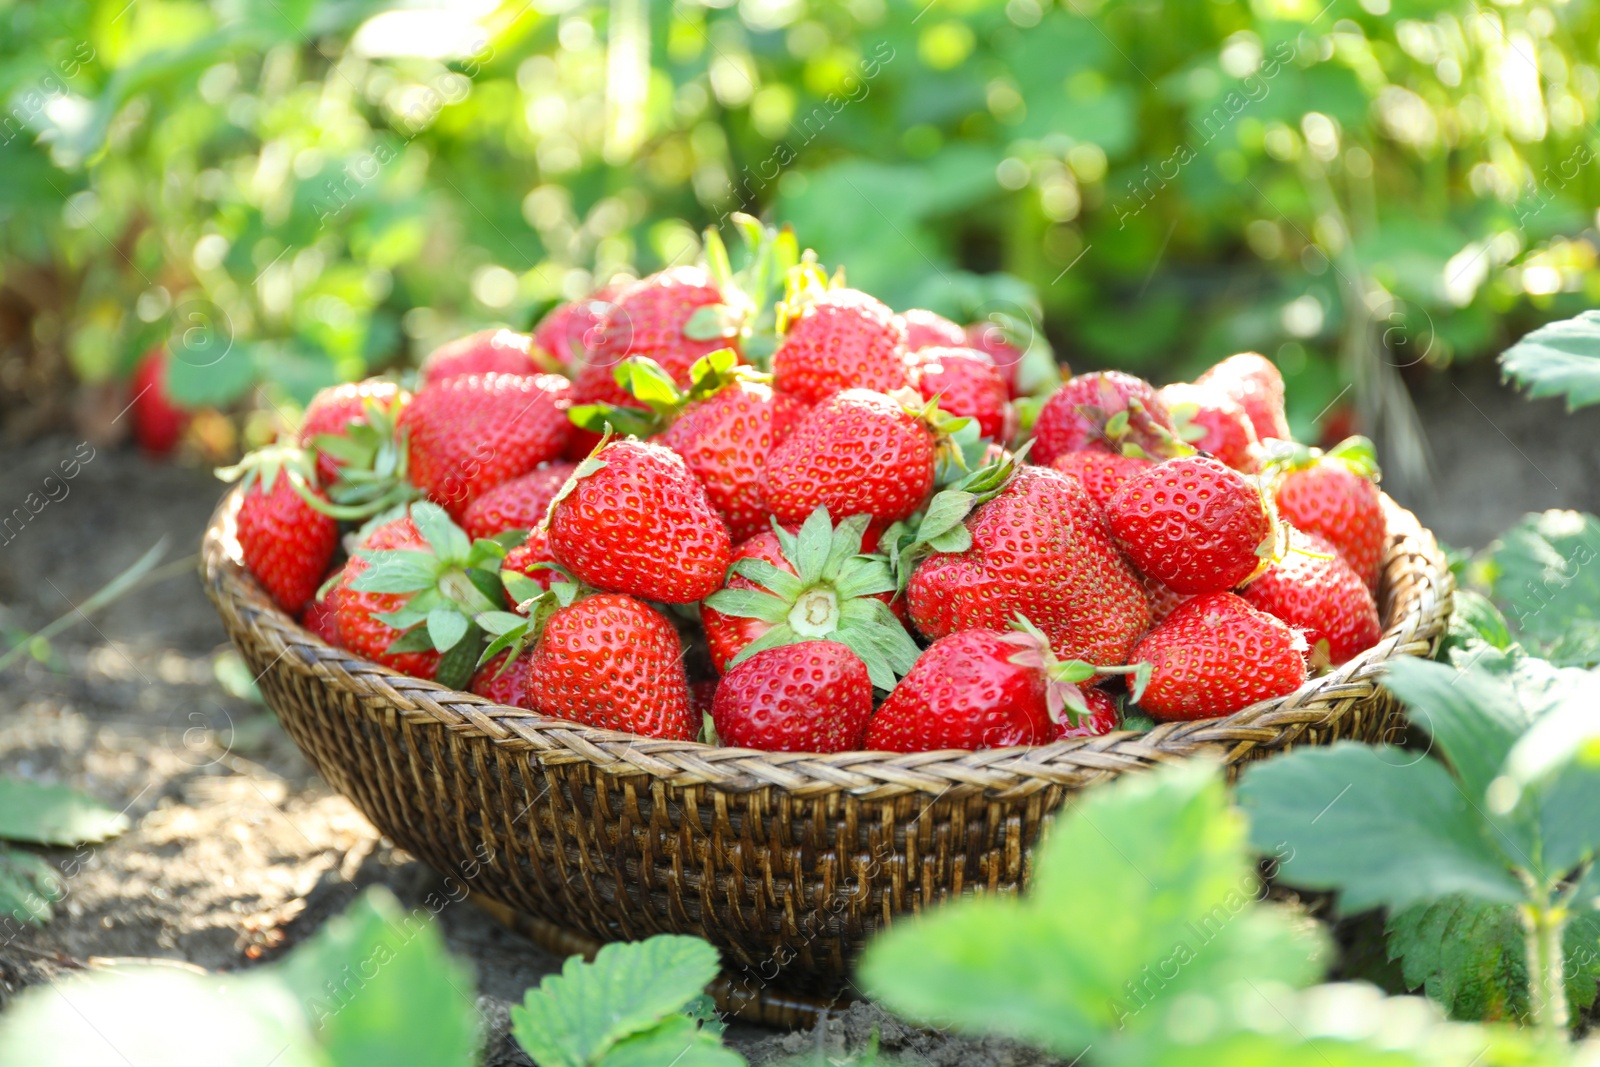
333, 409
1041, 549
702, 695
808, 697
964, 692
320, 618
157, 421
615, 663
787, 413
526, 557
484, 352
724, 439
857, 453
469, 434
928, 329
519, 504
1255, 384
502, 684
1212, 421
843, 339
1193, 524
1107, 411
965, 384
1000, 345
786, 586
649, 320
564, 330
1214, 655
1102, 718
1162, 600
1336, 497
286, 543
1314, 589
1102, 473
634, 520
356, 610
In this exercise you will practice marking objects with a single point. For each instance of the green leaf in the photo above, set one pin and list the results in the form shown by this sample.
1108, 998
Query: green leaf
1046, 969
574, 1018
748, 604
710, 323
1380, 825
449, 542
630, 422
499, 622
1542, 570
783, 584
1560, 359
956, 539
946, 511
380, 989
677, 1041
812, 547
29, 886
54, 815
415, 639
396, 570
460, 660
446, 626
1475, 617
647, 382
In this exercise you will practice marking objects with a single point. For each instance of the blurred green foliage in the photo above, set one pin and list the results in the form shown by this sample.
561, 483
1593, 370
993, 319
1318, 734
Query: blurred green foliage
297, 191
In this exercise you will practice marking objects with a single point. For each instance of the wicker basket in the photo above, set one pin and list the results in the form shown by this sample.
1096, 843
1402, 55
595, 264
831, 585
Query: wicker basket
787, 862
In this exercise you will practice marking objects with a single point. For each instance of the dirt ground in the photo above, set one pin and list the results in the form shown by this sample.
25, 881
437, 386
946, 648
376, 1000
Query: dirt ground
238, 850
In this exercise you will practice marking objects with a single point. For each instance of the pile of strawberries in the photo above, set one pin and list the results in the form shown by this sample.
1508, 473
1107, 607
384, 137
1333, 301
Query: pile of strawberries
683, 509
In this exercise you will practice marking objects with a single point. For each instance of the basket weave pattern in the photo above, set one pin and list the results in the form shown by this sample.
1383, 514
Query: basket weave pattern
787, 862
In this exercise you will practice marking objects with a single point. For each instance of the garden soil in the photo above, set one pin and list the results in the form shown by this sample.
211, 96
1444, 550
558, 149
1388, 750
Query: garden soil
238, 850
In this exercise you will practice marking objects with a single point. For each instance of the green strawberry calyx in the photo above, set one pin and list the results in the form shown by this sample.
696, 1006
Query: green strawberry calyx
516, 630
1355, 454
941, 526
749, 314
444, 589
831, 595
263, 466
1063, 694
373, 475
591, 464
647, 382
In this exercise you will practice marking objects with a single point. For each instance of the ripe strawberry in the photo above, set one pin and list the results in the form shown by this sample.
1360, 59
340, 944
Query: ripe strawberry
724, 439
966, 385
564, 330
502, 684
526, 559
808, 697
157, 421
787, 413
929, 329
286, 543
1102, 473
1107, 411
985, 688
634, 520
809, 584
1005, 347
1210, 420
1040, 549
1313, 589
1336, 497
519, 504
1102, 718
1216, 654
320, 618
651, 320
356, 611
1193, 524
484, 352
334, 409
1254, 383
612, 662
858, 452
468, 435
842, 339
1162, 600
702, 695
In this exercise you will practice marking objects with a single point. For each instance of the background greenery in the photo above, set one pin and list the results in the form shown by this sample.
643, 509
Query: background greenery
294, 192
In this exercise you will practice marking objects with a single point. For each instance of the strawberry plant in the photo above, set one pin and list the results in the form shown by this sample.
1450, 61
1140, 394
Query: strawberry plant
37, 814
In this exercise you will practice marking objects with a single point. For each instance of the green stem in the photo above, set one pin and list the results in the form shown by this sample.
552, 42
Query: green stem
1543, 923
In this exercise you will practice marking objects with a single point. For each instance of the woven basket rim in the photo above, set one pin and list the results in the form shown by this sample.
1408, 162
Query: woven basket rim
1417, 587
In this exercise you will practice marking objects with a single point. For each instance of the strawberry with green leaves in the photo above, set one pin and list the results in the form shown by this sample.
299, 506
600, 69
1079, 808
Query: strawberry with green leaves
721, 426
1040, 548
836, 339
484, 352
563, 333
1211, 421
1214, 655
1194, 525
362, 456
987, 688
1102, 473
467, 435
633, 519
813, 696
347, 411
409, 595
817, 585
1107, 411
285, 540
965, 384
1314, 589
857, 452
1018, 349
1255, 384
1335, 496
